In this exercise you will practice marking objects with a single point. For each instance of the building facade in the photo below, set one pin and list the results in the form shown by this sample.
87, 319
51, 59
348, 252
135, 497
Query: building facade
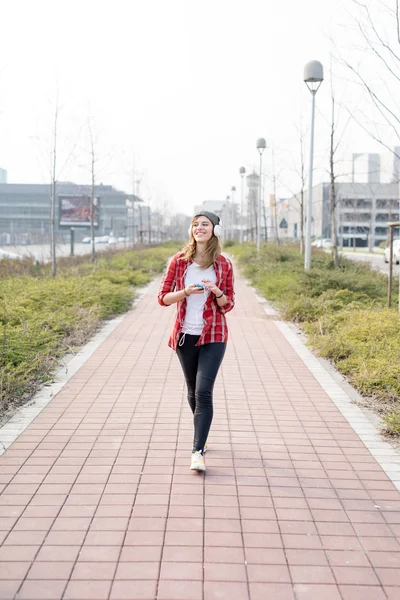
25, 212
366, 168
363, 212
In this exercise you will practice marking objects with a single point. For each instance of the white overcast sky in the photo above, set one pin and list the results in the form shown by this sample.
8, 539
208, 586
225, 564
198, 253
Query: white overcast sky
181, 89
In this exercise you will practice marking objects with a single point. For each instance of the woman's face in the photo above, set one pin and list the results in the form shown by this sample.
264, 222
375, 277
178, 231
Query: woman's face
202, 229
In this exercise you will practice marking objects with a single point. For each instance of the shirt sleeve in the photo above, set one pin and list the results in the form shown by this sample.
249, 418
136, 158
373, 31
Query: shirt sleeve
229, 290
168, 282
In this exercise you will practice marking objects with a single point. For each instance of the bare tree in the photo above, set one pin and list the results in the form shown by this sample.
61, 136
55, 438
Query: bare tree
382, 45
275, 215
92, 189
332, 184
263, 207
298, 167
53, 194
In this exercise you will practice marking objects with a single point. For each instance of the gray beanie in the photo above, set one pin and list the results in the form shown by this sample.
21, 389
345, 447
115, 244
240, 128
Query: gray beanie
210, 215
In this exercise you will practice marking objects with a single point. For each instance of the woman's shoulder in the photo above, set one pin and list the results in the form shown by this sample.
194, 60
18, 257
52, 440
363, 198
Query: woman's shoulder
224, 260
179, 256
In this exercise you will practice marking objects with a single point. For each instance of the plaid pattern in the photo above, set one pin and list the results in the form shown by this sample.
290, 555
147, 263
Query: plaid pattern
215, 328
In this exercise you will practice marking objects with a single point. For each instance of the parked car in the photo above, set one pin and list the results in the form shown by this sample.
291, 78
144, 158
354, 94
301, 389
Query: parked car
396, 252
86, 240
112, 240
322, 243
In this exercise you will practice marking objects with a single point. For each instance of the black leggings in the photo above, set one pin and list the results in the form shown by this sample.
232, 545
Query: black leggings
200, 365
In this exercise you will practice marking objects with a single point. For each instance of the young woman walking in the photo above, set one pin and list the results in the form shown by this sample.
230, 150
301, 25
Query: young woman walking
200, 281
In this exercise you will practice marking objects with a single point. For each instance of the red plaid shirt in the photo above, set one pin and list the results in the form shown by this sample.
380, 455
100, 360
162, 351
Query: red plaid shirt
215, 328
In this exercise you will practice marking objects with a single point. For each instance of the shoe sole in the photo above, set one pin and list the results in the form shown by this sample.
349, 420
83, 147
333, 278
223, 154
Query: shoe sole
198, 468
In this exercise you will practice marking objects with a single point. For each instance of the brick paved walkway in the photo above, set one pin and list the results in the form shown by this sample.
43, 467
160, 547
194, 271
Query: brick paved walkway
98, 502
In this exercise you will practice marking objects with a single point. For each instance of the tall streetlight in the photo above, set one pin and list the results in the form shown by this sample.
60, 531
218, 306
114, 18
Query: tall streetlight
261, 145
233, 213
313, 77
242, 172
227, 213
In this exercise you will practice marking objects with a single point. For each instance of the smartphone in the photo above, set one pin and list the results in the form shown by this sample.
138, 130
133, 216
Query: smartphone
200, 286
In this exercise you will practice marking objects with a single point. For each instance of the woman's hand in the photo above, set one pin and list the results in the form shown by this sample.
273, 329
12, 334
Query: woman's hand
192, 289
210, 285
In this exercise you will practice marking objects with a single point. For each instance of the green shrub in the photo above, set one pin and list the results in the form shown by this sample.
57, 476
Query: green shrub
343, 312
42, 318
306, 309
392, 423
365, 345
352, 276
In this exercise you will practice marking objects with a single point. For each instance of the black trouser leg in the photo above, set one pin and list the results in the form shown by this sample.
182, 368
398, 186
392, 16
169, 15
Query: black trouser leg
201, 364
210, 359
188, 355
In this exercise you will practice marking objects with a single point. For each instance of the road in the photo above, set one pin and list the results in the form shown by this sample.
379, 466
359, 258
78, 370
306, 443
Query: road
42, 252
376, 261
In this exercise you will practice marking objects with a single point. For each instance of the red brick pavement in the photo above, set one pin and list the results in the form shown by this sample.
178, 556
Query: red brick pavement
97, 500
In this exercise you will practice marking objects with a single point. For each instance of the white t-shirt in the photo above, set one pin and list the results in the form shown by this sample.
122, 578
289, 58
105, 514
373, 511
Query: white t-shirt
193, 324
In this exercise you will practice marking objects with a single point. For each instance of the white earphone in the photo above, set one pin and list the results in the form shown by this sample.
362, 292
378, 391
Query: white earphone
217, 231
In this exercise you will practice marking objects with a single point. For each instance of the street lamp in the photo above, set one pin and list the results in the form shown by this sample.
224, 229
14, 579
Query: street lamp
242, 172
261, 145
313, 77
233, 213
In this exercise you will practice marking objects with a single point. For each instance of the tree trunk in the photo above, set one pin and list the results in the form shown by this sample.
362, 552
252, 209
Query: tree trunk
275, 216
303, 184
52, 229
276, 223
265, 222
140, 225
332, 194
332, 191
92, 216
302, 221
149, 219
53, 198
92, 191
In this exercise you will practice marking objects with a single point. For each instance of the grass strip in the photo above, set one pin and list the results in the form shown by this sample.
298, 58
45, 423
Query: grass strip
343, 312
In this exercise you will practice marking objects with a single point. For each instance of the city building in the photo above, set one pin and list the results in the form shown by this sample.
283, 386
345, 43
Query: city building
3, 176
363, 212
25, 212
396, 165
178, 227
366, 168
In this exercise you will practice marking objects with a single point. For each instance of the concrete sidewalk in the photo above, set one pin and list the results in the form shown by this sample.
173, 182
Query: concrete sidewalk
97, 500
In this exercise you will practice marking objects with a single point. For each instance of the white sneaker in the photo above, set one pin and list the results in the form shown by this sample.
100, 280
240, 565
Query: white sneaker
197, 462
205, 448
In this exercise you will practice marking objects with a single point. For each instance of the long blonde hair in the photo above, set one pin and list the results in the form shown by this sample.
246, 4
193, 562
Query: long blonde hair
212, 251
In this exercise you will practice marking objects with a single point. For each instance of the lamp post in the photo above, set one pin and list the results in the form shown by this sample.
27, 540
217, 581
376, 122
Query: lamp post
227, 212
242, 172
261, 145
233, 213
313, 77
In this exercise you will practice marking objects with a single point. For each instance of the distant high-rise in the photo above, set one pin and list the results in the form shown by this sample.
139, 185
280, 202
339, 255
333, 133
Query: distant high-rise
366, 168
3, 176
396, 164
